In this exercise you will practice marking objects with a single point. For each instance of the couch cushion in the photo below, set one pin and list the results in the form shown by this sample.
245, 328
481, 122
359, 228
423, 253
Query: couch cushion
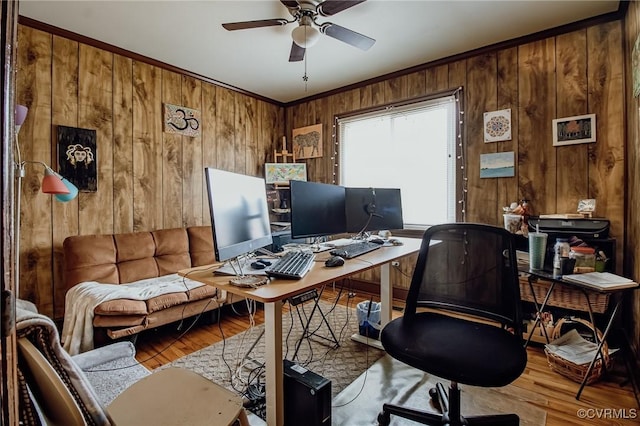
121, 307
172, 250
90, 258
201, 245
135, 256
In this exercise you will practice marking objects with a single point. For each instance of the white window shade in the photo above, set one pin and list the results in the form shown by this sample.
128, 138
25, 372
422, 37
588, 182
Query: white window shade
412, 147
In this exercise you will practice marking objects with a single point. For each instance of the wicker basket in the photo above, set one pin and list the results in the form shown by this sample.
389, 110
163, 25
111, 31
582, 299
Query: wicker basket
564, 296
574, 371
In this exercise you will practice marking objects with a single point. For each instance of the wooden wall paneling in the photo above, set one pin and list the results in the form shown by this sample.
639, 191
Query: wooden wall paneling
122, 144
314, 116
147, 147
209, 141
64, 112
192, 167
95, 98
481, 97
606, 100
240, 145
442, 77
536, 110
417, 83
632, 224
571, 89
507, 80
33, 85
172, 161
253, 164
371, 95
396, 89
225, 130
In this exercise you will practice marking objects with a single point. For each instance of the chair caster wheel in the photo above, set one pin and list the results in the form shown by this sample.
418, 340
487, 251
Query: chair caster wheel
435, 401
384, 418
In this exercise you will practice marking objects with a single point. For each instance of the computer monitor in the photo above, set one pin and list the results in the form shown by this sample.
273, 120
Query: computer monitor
370, 209
239, 213
317, 209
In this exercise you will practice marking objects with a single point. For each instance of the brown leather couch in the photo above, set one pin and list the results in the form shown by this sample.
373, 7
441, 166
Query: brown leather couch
125, 258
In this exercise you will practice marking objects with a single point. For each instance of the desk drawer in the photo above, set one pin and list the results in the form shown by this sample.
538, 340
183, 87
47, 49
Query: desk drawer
564, 296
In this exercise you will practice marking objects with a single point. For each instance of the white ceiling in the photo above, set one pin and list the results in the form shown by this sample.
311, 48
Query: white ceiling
189, 35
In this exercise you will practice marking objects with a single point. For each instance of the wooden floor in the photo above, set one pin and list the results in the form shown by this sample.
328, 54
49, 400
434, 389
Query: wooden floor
604, 403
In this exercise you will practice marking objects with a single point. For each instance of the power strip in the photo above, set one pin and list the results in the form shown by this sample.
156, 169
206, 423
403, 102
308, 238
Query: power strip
303, 297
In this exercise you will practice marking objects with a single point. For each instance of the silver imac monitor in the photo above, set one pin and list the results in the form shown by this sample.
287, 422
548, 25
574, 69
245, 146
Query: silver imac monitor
239, 213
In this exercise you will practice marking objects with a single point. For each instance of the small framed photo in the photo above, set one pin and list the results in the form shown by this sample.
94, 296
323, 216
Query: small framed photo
574, 130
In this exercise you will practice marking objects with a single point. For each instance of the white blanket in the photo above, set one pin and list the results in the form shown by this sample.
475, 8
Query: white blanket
82, 299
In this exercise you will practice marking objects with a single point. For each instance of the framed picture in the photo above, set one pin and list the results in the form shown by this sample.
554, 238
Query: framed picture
181, 120
497, 126
282, 173
501, 164
574, 130
307, 141
78, 157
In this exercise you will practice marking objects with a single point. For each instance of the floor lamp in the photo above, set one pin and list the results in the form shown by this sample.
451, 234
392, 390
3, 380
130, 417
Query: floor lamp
52, 183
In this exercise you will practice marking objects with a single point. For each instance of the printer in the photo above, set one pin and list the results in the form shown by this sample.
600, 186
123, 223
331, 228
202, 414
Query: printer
592, 231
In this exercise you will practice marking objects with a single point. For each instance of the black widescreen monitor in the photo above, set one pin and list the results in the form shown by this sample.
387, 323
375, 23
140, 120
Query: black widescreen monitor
369, 209
239, 213
317, 209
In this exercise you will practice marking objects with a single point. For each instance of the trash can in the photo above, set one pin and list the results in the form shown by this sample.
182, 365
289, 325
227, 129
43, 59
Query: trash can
368, 314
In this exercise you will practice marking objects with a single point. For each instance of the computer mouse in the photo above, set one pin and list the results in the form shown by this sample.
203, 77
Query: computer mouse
258, 265
339, 252
376, 240
265, 262
334, 261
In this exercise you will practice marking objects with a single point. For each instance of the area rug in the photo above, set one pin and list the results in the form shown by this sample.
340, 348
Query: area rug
235, 365
390, 381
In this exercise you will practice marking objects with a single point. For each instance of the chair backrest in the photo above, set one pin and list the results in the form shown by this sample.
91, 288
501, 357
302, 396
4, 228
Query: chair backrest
54, 391
468, 268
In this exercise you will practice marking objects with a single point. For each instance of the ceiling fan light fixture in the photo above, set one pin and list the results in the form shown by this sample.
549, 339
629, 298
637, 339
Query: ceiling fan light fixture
305, 36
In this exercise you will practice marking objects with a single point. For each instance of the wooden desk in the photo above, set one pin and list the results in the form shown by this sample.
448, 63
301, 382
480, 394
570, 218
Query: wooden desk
274, 293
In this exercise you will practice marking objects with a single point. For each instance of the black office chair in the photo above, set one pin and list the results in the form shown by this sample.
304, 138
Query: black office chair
468, 269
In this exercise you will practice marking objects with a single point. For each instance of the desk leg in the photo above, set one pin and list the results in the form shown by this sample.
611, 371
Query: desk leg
274, 363
386, 294
386, 301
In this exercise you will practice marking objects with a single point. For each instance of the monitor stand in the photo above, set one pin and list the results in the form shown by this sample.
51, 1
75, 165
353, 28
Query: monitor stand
249, 280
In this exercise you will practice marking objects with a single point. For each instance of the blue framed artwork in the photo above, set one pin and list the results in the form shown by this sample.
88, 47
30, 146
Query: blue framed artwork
501, 164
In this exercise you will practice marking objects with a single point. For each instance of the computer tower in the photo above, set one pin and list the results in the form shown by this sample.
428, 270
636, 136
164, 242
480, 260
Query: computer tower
307, 397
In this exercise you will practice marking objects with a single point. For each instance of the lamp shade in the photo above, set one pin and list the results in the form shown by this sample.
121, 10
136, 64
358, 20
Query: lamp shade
305, 36
52, 184
21, 114
73, 191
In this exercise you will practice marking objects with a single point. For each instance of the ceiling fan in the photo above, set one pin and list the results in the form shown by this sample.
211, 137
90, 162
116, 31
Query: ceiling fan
305, 13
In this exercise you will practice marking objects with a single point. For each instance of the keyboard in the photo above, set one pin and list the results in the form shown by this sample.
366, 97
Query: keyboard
292, 265
355, 249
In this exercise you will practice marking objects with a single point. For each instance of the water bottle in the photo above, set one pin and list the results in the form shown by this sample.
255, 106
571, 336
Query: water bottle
560, 250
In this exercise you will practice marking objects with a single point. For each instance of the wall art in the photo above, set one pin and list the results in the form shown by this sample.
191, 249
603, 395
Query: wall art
307, 142
501, 164
497, 126
282, 173
635, 67
181, 120
78, 157
574, 130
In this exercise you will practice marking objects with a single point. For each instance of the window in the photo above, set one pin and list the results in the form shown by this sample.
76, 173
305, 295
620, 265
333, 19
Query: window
412, 147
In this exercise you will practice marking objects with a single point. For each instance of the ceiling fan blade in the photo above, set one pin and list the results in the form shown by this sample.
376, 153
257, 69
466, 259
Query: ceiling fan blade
348, 36
232, 26
297, 53
291, 4
331, 7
